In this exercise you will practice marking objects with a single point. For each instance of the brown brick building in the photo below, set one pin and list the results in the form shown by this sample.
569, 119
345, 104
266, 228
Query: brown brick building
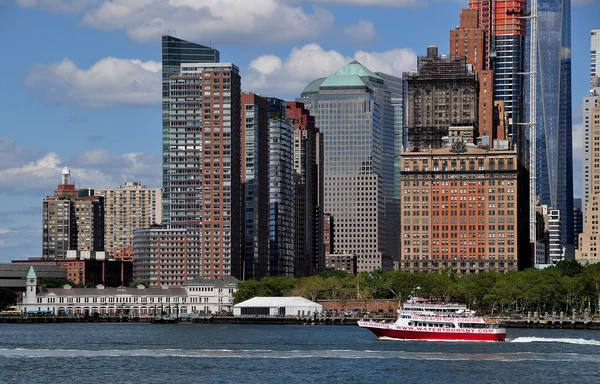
459, 209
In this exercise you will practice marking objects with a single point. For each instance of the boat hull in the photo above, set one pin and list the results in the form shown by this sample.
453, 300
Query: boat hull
393, 332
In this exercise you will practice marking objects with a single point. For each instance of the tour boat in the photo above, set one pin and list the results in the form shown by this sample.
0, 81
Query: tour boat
422, 319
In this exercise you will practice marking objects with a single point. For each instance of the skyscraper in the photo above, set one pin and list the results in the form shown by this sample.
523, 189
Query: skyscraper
175, 51
308, 167
351, 109
70, 222
591, 101
255, 178
554, 161
594, 54
281, 192
441, 93
127, 208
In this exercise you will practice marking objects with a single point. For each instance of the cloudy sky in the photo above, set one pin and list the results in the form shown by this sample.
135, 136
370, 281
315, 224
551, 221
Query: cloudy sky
82, 78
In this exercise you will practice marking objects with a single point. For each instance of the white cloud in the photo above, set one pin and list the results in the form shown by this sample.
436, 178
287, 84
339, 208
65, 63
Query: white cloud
271, 75
58, 6
222, 21
369, 3
109, 82
362, 33
93, 168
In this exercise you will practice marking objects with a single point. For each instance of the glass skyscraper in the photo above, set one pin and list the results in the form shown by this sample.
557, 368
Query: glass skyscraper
554, 154
353, 110
175, 52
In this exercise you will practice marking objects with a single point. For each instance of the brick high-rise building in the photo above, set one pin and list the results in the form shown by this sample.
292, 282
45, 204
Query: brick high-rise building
468, 40
255, 179
70, 222
204, 198
459, 209
176, 51
308, 165
127, 208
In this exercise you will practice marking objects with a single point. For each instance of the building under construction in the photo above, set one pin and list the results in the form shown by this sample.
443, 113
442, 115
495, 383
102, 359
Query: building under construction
442, 92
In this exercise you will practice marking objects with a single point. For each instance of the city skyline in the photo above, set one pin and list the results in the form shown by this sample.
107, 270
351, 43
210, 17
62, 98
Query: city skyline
67, 110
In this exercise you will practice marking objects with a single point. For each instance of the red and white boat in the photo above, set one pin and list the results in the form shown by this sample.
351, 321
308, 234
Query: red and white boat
422, 319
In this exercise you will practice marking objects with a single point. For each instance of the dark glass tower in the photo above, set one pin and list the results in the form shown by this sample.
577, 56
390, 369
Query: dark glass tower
554, 121
174, 52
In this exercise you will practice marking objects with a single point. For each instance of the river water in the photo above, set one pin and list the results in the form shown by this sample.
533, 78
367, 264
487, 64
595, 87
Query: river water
203, 353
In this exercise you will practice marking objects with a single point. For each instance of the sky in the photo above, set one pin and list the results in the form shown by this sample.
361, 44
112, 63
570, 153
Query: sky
82, 78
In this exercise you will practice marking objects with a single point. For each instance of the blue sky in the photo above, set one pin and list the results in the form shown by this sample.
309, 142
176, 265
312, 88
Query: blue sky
82, 78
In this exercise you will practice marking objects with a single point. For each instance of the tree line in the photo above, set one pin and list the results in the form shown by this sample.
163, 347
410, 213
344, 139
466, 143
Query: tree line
565, 287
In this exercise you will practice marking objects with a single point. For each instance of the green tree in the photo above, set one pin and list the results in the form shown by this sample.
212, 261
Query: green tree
54, 282
7, 298
138, 282
333, 273
569, 267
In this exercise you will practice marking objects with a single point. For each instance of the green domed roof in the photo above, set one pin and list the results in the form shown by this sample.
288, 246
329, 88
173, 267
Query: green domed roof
314, 85
356, 68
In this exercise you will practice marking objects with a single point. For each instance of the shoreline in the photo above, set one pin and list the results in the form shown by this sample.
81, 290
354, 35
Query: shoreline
339, 321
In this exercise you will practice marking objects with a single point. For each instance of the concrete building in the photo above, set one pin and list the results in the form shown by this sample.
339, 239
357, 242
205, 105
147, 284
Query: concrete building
594, 54
589, 245
199, 296
255, 179
353, 110
277, 306
281, 196
459, 209
556, 251
309, 194
341, 262
176, 51
591, 101
442, 92
70, 222
163, 256
126, 208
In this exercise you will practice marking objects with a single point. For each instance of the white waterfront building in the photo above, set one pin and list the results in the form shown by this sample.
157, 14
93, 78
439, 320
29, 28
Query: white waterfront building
277, 306
198, 296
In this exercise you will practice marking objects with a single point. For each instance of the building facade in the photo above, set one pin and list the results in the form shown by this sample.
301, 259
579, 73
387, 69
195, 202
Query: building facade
176, 51
126, 208
442, 92
70, 222
341, 262
556, 251
594, 54
591, 101
309, 194
468, 40
195, 297
255, 179
459, 210
165, 256
589, 240
554, 161
350, 108
282, 192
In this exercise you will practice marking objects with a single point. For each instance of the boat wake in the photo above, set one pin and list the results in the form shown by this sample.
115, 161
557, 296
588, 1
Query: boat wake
554, 340
20, 353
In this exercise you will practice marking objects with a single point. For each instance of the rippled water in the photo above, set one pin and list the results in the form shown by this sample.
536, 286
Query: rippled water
194, 353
